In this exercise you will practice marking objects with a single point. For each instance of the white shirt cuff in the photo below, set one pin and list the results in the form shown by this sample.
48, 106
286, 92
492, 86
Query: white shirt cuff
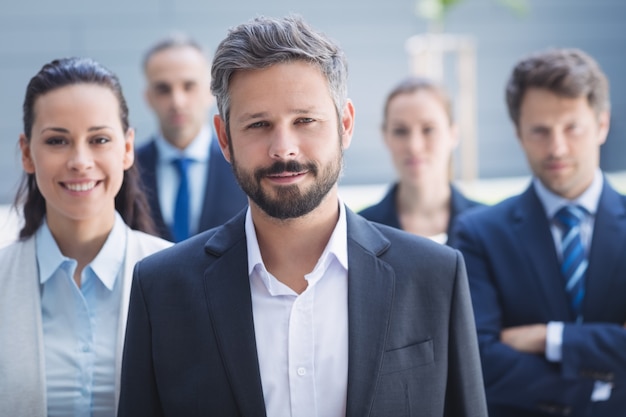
554, 341
601, 391
554, 353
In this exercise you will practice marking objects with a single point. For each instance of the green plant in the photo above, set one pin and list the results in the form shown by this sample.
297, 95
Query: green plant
436, 10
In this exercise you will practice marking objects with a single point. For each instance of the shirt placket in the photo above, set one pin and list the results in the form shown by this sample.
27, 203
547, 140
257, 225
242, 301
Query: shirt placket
301, 356
85, 351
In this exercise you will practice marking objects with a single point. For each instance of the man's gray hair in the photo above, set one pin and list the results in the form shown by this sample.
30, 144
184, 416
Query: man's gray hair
263, 42
173, 40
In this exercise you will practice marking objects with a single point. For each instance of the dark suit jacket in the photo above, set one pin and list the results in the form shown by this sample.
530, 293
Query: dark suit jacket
386, 210
514, 279
223, 198
190, 345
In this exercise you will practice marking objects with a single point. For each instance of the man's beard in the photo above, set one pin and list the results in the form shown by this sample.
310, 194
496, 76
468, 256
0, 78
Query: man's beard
289, 201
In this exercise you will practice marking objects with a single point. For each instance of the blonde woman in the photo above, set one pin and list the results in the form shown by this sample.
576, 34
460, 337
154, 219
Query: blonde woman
420, 134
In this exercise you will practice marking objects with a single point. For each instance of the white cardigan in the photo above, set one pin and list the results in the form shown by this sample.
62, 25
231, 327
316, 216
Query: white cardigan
22, 373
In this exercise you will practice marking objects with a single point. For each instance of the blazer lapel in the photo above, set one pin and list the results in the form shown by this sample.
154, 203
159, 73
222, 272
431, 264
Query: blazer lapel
22, 381
533, 229
227, 289
607, 249
370, 295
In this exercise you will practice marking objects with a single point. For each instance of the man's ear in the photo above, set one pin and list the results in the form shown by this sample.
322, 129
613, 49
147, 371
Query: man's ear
347, 124
27, 160
222, 137
604, 122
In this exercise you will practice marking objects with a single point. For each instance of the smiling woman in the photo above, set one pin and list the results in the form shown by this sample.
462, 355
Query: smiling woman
78, 151
66, 280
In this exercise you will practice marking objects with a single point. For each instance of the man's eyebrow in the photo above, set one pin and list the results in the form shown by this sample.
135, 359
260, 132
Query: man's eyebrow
250, 116
259, 115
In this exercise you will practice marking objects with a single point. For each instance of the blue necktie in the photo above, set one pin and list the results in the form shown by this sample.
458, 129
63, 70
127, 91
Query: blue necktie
574, 262
180, 229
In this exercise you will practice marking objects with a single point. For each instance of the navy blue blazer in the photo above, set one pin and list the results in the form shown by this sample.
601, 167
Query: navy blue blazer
190, 345
514, 277
223, 198
386, 210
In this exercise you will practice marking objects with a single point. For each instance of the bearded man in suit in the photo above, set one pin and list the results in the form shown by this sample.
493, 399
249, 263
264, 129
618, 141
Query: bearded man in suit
297, 307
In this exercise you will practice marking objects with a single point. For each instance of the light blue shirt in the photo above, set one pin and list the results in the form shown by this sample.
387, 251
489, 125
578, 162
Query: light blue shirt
167, 175
588, 200
80, 325
552, 203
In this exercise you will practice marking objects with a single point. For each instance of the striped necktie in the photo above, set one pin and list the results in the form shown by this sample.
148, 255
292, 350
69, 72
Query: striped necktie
574, 259
180, 228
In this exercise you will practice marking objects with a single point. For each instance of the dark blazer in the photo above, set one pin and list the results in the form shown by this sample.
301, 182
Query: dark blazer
514, 279
223, 198
386, 210
190, 345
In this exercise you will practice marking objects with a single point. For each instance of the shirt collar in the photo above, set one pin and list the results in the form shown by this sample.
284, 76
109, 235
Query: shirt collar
49, 256
588, 199
337, 244
198, 149
105, 266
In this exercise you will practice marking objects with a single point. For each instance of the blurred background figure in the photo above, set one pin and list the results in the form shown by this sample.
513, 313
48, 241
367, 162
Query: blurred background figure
125, 30
65, 284
190, 185
546, 267
419, 131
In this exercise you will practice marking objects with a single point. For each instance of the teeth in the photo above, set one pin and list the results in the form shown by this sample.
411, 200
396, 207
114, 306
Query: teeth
85, 186
286, 174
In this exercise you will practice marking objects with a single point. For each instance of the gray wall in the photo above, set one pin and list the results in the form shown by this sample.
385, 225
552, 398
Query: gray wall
116, 32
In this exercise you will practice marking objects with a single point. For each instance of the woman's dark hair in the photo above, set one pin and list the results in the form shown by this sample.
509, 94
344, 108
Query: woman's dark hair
130, 201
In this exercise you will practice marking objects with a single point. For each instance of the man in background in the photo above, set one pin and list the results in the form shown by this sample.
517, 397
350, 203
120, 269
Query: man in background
547, 269
190, 185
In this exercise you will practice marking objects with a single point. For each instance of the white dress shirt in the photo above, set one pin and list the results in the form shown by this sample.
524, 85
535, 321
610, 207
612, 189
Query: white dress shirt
168, 178
302, 339
552, 203
80, 325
